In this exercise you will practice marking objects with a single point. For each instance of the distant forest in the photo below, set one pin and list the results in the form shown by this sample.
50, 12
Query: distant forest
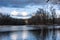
40, 17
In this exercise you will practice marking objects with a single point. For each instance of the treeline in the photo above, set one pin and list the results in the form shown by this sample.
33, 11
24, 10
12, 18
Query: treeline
40, 17
7, 20
44, 17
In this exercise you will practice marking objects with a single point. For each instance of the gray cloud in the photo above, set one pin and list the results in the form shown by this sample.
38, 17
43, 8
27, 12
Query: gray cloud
23, 3
54, 1
20, 3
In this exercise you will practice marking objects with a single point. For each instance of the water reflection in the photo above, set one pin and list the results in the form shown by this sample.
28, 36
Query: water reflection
25, 35
14, 36
58, 35
4, 36
45, 34
36, 34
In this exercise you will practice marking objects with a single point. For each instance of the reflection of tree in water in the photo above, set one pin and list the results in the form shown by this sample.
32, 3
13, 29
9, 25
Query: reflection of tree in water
4, 35
54, 34
1, 36
49, 34
45, 33
36, 33
40, 34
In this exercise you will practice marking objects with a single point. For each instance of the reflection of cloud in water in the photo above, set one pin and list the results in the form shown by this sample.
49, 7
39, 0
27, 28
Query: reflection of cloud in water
14, 36
25, 34
58, 35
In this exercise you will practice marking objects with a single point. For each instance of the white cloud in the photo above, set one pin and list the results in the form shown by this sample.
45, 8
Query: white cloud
58, 13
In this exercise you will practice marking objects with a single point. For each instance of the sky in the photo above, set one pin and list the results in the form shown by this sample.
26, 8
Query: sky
19, 7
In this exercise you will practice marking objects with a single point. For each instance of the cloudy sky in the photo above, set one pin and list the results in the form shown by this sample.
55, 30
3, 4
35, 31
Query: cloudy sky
18, 7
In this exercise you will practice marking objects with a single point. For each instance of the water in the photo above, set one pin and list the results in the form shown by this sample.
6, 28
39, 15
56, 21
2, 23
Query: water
31, 34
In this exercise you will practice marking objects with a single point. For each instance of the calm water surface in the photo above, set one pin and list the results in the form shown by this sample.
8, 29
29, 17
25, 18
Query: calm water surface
37, 34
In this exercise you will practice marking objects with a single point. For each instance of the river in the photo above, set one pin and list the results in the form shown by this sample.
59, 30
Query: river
29, 33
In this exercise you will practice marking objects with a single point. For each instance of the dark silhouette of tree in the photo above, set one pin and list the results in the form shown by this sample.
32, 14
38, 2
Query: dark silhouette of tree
44, 17
7, 20
53, 15
41, 17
